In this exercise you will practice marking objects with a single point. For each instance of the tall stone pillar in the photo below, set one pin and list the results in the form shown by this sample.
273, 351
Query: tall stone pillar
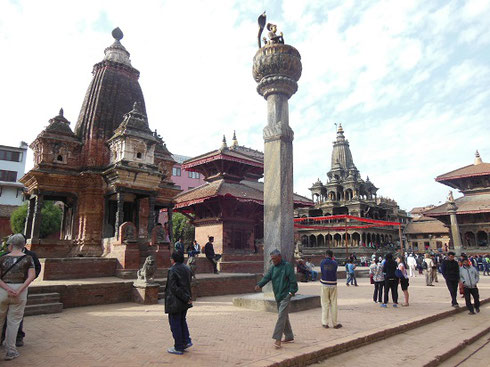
276, 69
455, 236
119, 212
30, 214
36, 219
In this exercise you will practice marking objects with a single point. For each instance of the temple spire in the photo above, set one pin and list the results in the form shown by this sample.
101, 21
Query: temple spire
478, 159
235, 141
223, 145
341, 154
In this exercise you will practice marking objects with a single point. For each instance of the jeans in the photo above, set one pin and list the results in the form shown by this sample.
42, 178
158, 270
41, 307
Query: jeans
452, 285
378, 291
468, 292
283, 326
180, 332
351, 278
393, 285
314, 275
329, 304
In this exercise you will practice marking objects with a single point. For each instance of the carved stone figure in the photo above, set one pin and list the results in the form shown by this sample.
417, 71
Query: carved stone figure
147, 272
450, 197
273, 37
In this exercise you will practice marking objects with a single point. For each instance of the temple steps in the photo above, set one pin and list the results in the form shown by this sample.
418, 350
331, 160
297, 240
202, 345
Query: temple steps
43, 303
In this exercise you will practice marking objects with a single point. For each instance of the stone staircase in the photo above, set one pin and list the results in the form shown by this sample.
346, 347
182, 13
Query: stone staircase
43, 303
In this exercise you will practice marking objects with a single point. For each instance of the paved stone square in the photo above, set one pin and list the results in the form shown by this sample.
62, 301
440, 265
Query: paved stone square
134, 335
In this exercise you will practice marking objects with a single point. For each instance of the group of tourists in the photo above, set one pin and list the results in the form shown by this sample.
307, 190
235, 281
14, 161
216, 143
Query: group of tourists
193, 250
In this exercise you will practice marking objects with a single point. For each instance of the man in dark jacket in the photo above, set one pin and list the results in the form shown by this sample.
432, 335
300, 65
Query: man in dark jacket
285, 286
178, 299
391, 281
328, 267
210, 255
450, 272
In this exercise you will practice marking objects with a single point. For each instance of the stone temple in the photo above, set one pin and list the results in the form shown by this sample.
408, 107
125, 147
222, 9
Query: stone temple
111, 173
345, 192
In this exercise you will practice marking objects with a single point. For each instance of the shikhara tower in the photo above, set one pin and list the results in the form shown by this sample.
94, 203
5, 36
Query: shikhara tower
112, 169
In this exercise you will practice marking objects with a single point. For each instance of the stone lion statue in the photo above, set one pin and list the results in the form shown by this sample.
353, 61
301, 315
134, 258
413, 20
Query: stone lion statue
147, 272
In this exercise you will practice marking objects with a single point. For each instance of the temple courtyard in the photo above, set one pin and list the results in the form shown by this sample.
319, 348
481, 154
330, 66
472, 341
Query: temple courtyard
128, 334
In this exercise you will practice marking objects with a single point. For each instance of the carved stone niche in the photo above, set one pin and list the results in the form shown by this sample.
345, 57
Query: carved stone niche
128, 232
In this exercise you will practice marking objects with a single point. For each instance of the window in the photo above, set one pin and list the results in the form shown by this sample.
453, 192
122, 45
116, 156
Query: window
7, 155
138, 155
193, 174
9, 176
176, 171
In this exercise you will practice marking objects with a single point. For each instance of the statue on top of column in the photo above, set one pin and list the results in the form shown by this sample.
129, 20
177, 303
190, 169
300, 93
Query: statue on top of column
272, 28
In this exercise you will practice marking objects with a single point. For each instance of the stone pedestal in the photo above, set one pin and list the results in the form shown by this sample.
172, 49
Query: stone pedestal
264, 302
145, 293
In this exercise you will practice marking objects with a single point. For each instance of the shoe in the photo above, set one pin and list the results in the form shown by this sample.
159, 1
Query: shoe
338, 326
455, 305
326, 326
276, 345
175, 351
404, 304
347, 285
11, 355
471, 313
384, 305
19, 343
356, 285
188, 345
287, 341
477, 310
395, 305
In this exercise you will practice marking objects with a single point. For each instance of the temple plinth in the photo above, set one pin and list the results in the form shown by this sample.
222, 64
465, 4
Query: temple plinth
276, 69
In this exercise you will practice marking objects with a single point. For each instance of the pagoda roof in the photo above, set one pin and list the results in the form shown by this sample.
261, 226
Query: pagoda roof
468, 204
234, 154
471, 170
245, 191
426, 225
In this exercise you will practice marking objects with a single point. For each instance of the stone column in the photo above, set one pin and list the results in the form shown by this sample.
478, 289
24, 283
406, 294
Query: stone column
30, 214
151, 214
455, 236
276, 69
119, 213
36, 220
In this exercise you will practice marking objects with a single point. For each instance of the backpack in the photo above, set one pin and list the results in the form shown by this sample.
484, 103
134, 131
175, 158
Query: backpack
424, 265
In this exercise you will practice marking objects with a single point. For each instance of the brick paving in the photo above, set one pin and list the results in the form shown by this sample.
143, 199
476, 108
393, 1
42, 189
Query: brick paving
134, 335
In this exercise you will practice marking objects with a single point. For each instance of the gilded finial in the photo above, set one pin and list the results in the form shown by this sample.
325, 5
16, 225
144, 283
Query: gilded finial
478, 159
340, 130
117, 34
235, 141
223, 145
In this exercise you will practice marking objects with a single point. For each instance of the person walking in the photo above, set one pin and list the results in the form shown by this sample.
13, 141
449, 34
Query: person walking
412, 264
401, 272
351, 272
285, 286
450, 272
427, 265
391, 281
178, 299
328, 294
17, 272
435, 267
179, 246
469, 277
379, 281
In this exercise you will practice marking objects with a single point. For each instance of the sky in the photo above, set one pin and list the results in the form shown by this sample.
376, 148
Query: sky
408, 80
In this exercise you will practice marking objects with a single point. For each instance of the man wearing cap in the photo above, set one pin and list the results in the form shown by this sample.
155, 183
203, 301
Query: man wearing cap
450, 272
285, 286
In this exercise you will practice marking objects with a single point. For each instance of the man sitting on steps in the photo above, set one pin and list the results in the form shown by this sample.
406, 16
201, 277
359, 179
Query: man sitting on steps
210, 255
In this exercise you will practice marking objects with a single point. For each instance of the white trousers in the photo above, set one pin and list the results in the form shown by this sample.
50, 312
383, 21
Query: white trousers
12, 308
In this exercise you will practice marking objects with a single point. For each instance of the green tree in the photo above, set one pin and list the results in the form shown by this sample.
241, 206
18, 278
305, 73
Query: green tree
50, 219
181, 227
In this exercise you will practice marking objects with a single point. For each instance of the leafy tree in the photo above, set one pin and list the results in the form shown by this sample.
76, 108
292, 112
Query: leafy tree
50, 219
181, 227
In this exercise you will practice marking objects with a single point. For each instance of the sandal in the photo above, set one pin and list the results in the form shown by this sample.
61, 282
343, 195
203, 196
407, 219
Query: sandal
277, 346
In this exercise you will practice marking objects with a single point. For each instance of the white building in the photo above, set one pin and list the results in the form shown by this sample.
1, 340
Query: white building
12, 167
